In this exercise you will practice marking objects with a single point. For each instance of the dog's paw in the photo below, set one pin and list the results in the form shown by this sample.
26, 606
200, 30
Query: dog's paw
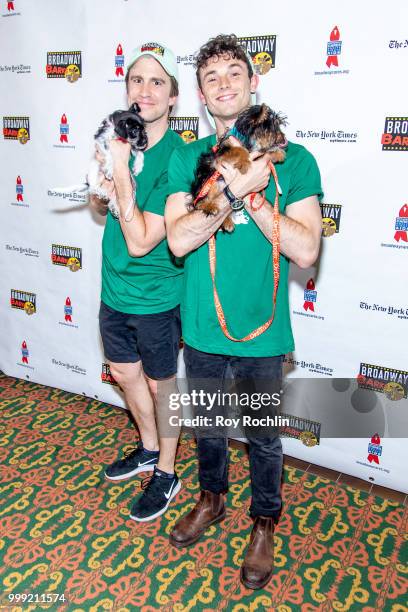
228, 225
210, 208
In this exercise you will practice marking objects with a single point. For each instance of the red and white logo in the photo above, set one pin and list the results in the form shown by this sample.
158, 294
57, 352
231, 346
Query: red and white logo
374, 449
310, 295
333, 48
401, 224
119, 61
19, 189
24, 352
68, 310
10, 5
64, 129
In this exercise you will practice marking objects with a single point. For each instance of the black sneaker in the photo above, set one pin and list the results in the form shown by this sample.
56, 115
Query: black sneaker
135, 461
155, 498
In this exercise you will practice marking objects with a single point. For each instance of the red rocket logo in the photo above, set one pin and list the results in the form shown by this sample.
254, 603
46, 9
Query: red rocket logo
119, 61
10, 5
24, 352
64, 129
310, 295
19, 189
401, 225
68, 310
333, 48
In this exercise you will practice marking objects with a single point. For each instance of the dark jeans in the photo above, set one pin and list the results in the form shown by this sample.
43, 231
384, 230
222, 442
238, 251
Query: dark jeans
265, 452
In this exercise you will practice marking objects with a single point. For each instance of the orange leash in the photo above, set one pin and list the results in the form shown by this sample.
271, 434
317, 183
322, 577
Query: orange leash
276, 271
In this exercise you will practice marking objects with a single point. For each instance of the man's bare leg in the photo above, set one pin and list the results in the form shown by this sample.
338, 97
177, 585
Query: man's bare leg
131, 378
168, 435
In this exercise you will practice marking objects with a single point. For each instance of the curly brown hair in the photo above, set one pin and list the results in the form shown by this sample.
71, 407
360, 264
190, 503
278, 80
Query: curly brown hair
223, 45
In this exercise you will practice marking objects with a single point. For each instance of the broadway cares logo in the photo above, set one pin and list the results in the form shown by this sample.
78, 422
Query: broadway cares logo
333, 51
400, 313
22, 250
11, 10
119, 65
333, 136
401, 230
68, 314
310, 299
64, 134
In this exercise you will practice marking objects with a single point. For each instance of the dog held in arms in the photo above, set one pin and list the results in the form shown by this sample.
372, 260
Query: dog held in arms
126, 125
257, 128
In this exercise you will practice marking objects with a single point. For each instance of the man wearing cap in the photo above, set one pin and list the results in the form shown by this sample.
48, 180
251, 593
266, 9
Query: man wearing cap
245, 284
141, 281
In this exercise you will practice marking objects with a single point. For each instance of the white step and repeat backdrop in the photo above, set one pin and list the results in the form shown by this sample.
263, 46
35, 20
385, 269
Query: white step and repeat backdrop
338, 71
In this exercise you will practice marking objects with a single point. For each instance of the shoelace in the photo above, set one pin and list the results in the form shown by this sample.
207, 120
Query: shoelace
145, 482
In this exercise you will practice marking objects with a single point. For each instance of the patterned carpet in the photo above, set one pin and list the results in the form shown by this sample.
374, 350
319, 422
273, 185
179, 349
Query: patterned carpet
65, 529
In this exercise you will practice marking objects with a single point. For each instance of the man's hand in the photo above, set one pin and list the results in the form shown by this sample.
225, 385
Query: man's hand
254, 180
98, 204
120, 151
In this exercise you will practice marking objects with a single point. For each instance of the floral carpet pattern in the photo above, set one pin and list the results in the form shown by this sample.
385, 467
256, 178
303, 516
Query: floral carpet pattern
66, 530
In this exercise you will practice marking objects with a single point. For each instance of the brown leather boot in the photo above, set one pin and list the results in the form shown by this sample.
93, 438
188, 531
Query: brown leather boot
257, 568
208, 510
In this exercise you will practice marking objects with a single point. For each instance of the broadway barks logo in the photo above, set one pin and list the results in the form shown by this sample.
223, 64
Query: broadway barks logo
64, 65
262, 50
331, 215
23, 300
308, 432
395, 135
152, 47
393, 383
186, 127
106, 376
16, 128
67, 256
374, 449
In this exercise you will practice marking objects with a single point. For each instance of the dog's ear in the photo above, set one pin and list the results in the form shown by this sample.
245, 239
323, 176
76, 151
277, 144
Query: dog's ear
134, 108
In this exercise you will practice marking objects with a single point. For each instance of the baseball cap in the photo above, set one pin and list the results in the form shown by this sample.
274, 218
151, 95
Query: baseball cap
253, 94
162, 54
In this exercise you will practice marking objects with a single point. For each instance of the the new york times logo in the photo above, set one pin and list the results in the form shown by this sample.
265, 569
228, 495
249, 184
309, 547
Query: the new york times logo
186, 127
69, 366
262, 50
64, 65
395, 136
70, 257
331, 215
23, 300
393, 383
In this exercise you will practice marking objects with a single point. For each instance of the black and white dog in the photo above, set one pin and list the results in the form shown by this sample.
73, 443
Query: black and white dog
129, 126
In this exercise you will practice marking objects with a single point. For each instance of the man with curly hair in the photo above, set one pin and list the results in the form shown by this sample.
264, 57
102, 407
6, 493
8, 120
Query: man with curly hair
245, 283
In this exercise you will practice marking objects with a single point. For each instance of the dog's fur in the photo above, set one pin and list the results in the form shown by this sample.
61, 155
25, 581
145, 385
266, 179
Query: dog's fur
257, 128
127, 125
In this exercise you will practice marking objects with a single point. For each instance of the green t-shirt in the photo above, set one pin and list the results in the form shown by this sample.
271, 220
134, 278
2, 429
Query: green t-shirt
244, 274
153, 283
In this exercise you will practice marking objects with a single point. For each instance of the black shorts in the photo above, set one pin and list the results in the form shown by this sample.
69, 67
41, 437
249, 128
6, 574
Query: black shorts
152, 338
